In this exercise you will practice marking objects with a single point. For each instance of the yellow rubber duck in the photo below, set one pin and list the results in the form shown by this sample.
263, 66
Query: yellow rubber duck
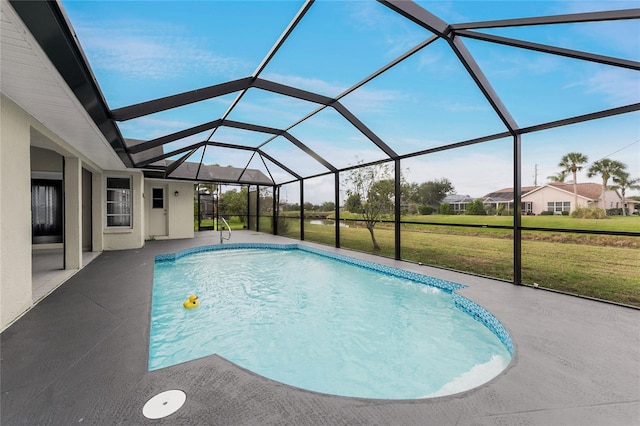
192, 302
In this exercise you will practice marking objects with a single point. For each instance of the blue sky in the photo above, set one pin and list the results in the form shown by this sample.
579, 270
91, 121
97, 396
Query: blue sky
140, 51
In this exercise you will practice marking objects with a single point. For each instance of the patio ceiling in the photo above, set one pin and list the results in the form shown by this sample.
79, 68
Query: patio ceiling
293, 119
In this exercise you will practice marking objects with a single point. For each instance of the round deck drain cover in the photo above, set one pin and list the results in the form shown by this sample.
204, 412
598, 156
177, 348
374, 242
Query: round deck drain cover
164, 404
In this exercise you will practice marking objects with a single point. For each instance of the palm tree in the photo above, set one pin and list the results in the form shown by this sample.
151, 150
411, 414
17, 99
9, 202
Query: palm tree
606, 168
622, 182
558, 177
572, 162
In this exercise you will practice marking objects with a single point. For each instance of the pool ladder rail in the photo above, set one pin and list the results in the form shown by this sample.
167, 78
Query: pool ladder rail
222, 237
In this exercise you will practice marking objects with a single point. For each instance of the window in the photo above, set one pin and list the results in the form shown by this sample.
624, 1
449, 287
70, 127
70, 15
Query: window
46, 211
459, 208
118, 202
559, 206
157, 198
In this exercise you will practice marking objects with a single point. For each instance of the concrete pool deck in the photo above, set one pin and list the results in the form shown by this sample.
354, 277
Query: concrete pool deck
80, 357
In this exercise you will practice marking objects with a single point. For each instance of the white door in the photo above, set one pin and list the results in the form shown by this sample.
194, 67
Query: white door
158, 212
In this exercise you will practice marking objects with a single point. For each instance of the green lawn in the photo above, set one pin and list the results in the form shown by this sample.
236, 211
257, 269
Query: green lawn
234, 223
604, 267
614, 223
618, 223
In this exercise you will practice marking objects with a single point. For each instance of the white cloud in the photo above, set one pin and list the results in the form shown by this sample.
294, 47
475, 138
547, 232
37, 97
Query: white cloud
126, 48
618, 86
516, 63
595, 6
373, 101
314, 85
622, 36
398, 34
456, 106
472, 173
151, 127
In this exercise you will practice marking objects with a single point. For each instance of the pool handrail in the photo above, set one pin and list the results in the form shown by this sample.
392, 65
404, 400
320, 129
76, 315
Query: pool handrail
222, 238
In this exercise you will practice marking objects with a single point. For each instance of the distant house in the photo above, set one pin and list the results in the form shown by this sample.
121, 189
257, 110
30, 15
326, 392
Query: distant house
458, 202
559, 197
503, 198
553, 197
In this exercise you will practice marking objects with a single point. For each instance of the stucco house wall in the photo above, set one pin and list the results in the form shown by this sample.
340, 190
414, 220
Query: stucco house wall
544, 195
178, 209
44, 160
34, 100
540, 197
181, 210
19, 160
15, 208
121, 238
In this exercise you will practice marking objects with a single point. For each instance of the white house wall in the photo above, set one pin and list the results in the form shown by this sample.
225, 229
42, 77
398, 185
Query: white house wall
19, 129
15, 212
542, 196
548, 194
613, 200
179, 208
180, 214
39, 110
43, 161
73, 213
126, 238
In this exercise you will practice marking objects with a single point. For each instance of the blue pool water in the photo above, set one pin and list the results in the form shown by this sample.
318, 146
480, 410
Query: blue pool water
322, 324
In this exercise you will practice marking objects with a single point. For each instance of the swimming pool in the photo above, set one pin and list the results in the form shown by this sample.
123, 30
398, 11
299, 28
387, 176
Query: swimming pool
323, 322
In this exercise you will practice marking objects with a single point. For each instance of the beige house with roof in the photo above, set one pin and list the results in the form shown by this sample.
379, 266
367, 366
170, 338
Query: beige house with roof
559, 197
555, 197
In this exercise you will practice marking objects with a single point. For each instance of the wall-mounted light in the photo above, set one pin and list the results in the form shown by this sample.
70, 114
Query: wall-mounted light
176, 193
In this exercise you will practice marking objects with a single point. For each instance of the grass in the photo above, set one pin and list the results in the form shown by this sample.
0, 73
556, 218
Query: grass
234, 223
614, 223
603, 267
624, 224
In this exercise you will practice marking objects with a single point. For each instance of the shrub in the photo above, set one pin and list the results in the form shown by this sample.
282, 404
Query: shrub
445, 208
546, 213
426, 209
565, 213
476, 208
588, 213
283, 225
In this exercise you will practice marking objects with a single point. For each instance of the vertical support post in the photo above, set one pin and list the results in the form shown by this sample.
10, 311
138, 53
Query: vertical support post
275, 198
98, 194
72, 213
248, 206
257, 208
199, 210
397, 205
517, 209
302, 209
216, 206
64, 216
337, 207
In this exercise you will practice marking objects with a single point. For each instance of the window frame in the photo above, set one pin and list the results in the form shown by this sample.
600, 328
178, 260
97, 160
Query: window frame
557, 207
126, 203
161, 199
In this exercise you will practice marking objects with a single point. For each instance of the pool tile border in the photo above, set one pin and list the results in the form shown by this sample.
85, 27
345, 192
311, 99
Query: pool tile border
469, 307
